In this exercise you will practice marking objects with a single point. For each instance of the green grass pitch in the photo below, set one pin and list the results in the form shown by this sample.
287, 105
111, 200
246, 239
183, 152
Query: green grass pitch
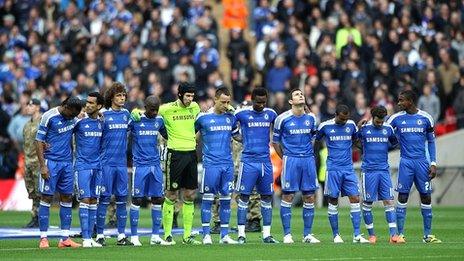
448, 225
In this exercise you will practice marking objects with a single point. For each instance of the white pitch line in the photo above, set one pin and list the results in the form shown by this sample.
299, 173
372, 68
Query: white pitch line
386, 257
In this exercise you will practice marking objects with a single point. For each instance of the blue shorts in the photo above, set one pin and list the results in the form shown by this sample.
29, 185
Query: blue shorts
218, 179
344, 182
88, 183
253, 174
376, 185
417, 171
114, 181
299, 174
147, 181
61, 178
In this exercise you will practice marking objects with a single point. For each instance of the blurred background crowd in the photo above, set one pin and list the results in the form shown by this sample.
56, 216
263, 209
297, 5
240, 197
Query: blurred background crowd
361, 53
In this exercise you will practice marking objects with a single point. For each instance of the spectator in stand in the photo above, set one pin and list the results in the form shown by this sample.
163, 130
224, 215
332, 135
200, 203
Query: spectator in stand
429, 102
278, 77
458, 104
449, 75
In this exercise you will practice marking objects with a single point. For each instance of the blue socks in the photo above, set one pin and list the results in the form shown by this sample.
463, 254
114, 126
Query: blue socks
84, 219
242, 212
266, 212
391, 219
286, 215
44, 217
355, 214
155, 219
308, 218
426, 211
206, 203
368, 218
65, 217
134, 219
401, 216
224, 214
121, 214
101, 214
333, 218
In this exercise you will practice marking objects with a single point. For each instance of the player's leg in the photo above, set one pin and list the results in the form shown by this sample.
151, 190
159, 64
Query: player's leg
120, 188
246, 180
65, 186
386, 195
106, 190
350, 188
226, 185
83, 190
290, 184
174, 167
47, 188
424, 186
208, 189
265, 189
405, 180
308, 186
308, 217
95, 186
332, 191
189, 183
155, 192
139, 182
369, 188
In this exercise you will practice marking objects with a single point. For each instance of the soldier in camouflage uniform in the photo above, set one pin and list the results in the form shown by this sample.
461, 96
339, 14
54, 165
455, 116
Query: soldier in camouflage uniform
31, 175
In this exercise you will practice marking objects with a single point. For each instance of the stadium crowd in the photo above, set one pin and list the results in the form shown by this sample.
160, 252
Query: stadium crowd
361, 53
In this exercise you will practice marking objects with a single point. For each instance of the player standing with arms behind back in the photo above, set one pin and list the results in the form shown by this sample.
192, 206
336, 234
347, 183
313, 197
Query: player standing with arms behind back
88, 133
255, 166
292, 140
54, 150
147, 177
414, 128
215, 128
376, 138
114, 162
339, 134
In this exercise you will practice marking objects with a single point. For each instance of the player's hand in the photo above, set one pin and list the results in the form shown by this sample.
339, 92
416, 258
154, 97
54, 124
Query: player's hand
44, 172
81, 115
433, 172
136, 114
361, 123
231, 109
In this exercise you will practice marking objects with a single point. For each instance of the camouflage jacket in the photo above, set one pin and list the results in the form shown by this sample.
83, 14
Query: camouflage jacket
29, 133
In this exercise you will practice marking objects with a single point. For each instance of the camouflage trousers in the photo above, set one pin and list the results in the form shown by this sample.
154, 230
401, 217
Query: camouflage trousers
31, 179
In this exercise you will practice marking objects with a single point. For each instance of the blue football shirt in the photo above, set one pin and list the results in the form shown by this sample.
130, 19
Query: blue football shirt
114, 138
88, 135
255, 128
295, 133
375, 142
412, 131
56, 131
339, 140
216, 132
144, 135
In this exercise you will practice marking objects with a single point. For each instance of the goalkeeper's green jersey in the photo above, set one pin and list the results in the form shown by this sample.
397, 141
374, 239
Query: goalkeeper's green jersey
180, 124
